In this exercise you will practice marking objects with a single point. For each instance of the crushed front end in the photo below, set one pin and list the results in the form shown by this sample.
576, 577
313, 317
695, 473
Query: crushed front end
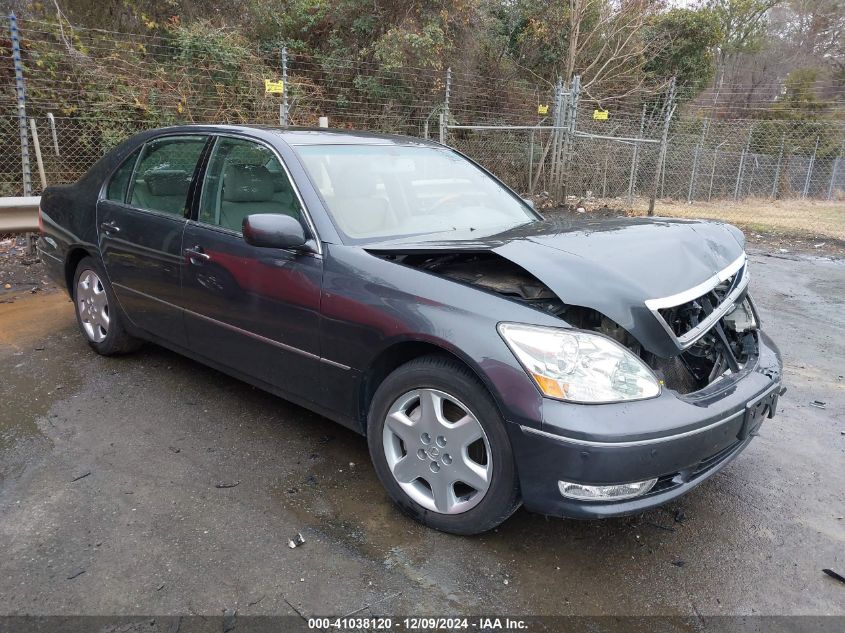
719, 376
622, 458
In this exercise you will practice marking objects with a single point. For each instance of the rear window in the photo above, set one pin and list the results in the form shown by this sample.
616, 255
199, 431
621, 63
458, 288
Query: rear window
165, 172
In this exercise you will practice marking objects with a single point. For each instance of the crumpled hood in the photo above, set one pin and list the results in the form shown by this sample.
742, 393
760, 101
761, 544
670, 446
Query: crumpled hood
611, 265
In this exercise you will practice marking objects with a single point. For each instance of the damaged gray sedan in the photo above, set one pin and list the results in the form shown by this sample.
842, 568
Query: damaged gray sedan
492, 358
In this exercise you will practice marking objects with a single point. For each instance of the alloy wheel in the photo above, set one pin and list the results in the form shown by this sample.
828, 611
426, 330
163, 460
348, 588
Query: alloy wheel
437, 451
93, 306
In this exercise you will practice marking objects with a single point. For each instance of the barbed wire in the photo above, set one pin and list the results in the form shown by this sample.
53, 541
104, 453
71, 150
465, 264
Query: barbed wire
102, 86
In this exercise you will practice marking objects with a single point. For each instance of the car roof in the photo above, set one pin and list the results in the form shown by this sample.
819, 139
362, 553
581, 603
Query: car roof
307, 135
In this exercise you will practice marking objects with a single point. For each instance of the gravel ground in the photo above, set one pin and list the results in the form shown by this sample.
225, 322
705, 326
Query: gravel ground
150, 484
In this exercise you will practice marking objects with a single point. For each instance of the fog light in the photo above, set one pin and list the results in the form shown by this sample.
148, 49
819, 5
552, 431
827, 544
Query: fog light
613, 492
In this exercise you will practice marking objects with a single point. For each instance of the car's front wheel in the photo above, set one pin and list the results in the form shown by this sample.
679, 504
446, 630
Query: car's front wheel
440, 447
97, 311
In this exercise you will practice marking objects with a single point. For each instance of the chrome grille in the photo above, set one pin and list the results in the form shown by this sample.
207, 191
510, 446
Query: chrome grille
688, 315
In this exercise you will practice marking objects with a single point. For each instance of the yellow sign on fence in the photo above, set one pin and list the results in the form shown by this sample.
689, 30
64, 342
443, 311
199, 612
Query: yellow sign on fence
600, 115
542, 109
273, 87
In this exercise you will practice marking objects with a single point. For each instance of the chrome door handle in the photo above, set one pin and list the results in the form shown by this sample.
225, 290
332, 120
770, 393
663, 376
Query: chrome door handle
197, 253
109, 228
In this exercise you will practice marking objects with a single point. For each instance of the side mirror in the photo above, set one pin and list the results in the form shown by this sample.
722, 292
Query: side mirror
273, 230
529, 202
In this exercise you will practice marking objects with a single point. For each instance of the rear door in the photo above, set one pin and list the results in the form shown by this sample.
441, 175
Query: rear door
140, 222
255, 310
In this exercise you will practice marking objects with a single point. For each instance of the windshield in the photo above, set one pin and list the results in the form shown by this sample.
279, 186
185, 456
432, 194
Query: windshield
377, 192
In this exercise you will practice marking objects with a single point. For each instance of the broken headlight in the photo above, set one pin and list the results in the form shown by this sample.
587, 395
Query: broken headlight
741, 318
579, 366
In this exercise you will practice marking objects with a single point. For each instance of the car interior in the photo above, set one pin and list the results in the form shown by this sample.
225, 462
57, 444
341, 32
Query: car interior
375, 192
162, 190
242, 179
164, 174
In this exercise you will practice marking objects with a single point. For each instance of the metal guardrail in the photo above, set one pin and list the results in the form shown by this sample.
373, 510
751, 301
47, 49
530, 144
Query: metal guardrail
19, 215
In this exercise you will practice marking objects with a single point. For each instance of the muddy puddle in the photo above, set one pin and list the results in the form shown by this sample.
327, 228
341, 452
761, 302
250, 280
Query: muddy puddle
336, 496
35, 372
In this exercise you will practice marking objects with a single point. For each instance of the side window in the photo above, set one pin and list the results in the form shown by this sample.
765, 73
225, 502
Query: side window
119, 182
243, 178
164, 173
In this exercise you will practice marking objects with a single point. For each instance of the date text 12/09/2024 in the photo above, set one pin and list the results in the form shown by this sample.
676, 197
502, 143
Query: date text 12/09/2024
418, 624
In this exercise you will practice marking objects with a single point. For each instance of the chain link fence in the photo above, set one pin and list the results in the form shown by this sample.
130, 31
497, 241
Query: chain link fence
86, 90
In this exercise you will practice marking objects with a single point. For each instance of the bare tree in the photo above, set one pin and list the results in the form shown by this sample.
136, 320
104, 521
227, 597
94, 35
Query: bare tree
606, 45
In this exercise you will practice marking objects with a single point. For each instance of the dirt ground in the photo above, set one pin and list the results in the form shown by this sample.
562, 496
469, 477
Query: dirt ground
808, 226
150, 484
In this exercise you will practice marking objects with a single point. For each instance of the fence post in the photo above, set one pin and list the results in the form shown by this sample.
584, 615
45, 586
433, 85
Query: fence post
20, 89
555, 139
810, 170
777, 169
661, 155
549, 147
833, 171
698, 147
635, 159
38, 160
283, 110
52, 121
531, 163
571, 127
444, 116
737, 187
713, 173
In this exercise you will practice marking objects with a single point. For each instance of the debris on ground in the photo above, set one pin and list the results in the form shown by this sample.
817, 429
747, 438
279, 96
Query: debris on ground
75, 573
665, 528
226, 484
680, 516
298, 612
679, 563
834, 575
174, 449
296, 541
366, 606
818, 404
229, 619
82, 476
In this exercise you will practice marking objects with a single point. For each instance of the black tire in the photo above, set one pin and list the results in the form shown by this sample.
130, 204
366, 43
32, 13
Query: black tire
117, 340
444, 374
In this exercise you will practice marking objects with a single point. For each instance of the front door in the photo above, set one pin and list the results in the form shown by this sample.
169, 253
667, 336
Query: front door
255, 310
141, 220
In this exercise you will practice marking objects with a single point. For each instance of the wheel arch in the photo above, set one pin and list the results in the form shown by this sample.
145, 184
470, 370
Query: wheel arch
399, 353
75, 255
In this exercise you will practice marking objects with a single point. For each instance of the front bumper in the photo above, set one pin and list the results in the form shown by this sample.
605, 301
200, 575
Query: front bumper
680, 440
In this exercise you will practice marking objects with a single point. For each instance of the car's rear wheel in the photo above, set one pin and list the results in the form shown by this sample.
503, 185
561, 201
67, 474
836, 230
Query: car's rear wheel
440, 447
97, 311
